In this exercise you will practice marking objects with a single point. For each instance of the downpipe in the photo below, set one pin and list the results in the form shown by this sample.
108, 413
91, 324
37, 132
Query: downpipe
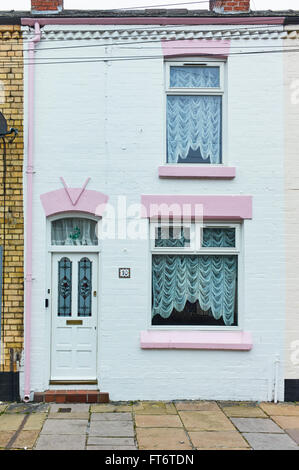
29, 211
276, 377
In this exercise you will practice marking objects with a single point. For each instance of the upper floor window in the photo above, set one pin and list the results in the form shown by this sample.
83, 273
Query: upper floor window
194, 112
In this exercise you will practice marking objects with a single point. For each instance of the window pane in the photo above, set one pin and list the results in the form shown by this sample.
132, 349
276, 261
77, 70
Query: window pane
194, 77
219, 237
172, 237
84, 288
188, 289
194, 129
74, 231
64, 288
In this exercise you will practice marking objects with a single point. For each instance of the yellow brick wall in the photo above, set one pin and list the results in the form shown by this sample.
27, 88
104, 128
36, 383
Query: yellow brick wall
11, 105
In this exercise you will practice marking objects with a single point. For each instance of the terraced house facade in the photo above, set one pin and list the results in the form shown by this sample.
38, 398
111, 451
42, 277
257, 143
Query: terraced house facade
159, 198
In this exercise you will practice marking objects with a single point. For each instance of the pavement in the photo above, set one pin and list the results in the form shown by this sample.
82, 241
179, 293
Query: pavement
145, 425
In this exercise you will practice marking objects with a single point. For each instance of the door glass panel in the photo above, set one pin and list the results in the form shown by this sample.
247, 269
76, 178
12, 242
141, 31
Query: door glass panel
84, 287
64, 288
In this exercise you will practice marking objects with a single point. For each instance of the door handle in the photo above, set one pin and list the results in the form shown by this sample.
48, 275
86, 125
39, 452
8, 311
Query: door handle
94, 293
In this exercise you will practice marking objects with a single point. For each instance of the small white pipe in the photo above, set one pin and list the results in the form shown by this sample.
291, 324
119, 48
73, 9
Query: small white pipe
276, 377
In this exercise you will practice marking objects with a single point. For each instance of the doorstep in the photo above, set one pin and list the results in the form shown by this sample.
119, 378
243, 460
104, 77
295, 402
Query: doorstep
71, 396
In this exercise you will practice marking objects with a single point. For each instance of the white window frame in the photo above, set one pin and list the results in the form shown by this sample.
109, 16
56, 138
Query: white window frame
158, 249
219, 91
72, 248
197, 249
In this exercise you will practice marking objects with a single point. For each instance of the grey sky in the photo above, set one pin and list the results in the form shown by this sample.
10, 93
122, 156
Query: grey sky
108, 4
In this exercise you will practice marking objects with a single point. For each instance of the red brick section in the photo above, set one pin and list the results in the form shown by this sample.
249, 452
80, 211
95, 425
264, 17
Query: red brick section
233, 6
71, 396
46, 5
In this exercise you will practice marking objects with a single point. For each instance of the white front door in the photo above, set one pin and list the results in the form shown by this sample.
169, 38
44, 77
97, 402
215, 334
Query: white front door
74, 316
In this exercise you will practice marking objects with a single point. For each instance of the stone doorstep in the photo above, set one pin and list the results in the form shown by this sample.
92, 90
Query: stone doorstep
71, 396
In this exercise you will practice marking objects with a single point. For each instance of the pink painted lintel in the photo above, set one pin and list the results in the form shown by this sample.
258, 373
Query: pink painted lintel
210, 340
90, 202
196, 206
182, 171
258, 20
189, 47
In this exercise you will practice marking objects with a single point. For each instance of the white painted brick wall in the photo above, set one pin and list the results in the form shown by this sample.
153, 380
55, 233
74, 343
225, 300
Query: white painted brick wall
107, 121
291, 70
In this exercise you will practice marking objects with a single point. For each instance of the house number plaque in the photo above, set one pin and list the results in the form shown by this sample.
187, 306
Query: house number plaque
124, 273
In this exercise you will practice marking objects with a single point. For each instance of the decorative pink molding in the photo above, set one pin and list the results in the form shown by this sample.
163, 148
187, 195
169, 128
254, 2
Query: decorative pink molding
258, 20
74, 199
222, 340
208, 207
74, 194
182, 171
190, 47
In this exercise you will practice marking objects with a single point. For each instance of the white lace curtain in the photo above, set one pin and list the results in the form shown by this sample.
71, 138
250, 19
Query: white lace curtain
74, 231
194, 121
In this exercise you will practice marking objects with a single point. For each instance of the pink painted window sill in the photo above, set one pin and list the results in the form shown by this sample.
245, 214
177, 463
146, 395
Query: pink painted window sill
211, 340
181, 171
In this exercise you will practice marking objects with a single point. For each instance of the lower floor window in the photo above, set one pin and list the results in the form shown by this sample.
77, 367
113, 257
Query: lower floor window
194, 290
195, 273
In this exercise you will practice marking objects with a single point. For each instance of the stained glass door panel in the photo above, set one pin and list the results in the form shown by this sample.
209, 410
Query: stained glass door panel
74, 316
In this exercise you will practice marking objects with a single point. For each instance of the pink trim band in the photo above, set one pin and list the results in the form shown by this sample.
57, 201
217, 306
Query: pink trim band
91, 202
190, 47
211, 340
176, 171
208, 207
158, 20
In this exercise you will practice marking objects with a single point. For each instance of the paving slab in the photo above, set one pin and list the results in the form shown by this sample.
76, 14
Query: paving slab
111, 448
27, 408
195, 405
156, 407
158, 421
111, 408
66, 426
294, 434
228, 403
280, 409
213, 448
35, 422
3, 408
26, 439
264, 441
111, 441
111, 428
244, 411
69, 411
61, 442
205, 421
217, 440
162, 439
287, 422
111, 417
256, 425
5, 438
10, 422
